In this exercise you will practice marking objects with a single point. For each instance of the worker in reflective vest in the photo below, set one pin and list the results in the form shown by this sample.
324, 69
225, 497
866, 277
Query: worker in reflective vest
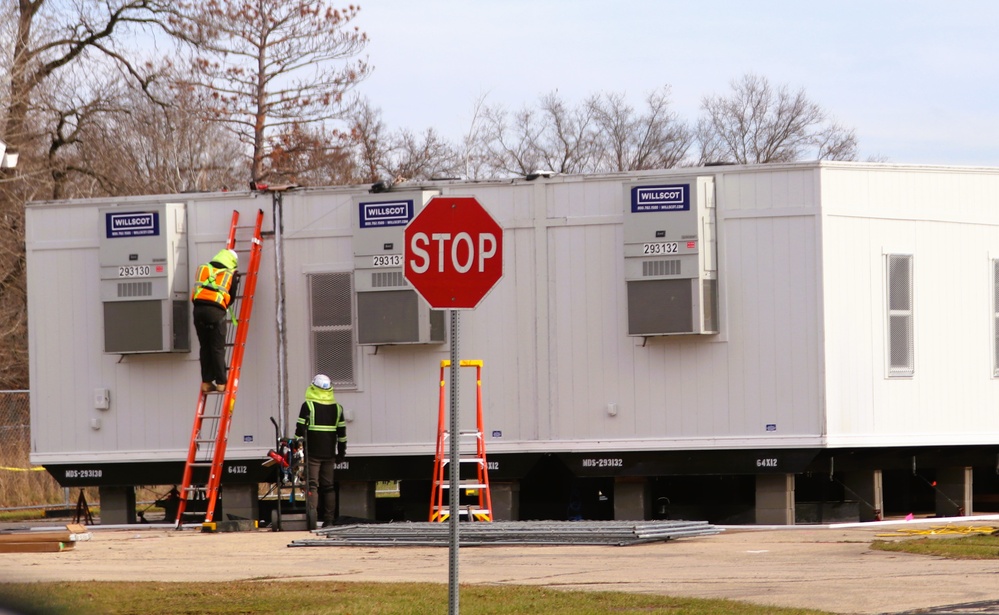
322, 424
214, 287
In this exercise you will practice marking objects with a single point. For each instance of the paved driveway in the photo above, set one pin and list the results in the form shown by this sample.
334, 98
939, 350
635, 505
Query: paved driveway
830, 568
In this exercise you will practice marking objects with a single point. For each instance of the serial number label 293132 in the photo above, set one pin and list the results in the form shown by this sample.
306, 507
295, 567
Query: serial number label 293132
665, 247
133, 271
603, 462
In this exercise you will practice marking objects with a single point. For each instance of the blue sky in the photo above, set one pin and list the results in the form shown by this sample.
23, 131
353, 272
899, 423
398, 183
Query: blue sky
917, 80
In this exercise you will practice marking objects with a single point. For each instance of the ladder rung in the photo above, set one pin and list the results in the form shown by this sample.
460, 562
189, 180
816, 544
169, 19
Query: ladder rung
467, 486
465, 511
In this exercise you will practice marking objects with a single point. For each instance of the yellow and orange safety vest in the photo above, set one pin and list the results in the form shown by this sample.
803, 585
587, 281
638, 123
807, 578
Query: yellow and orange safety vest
212, 284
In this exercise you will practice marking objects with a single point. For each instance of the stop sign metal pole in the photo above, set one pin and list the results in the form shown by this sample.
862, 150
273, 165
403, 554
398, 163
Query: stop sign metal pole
446, 282
454, 475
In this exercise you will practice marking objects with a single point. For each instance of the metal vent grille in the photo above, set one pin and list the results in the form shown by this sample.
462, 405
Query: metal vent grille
332, 323
710, 305
660, 268
135, 289
900, 331
387, 279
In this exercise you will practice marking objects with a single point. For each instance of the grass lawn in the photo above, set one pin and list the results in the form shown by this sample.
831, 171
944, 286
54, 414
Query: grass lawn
971, 546
288, 598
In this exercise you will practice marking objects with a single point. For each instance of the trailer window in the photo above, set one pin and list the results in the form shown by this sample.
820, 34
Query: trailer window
995, 317
332, 323
900, 331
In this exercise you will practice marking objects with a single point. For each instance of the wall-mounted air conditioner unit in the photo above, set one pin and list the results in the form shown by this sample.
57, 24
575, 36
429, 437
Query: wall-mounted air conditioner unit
389, 311
669, 253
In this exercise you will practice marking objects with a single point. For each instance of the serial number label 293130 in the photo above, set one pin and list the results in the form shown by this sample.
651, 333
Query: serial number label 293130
665, 247
84, 473
133, 271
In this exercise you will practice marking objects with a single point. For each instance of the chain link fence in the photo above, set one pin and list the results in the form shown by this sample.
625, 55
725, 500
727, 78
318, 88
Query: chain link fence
25, 487
21, 484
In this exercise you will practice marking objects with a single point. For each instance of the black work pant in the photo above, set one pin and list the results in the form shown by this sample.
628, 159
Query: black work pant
321, 489
210, 323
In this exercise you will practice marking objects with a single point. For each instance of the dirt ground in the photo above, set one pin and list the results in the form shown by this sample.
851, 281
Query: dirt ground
830, 568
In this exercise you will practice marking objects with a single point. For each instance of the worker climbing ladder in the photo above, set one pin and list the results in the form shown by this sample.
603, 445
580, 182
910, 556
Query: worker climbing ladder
206, 454
472, 457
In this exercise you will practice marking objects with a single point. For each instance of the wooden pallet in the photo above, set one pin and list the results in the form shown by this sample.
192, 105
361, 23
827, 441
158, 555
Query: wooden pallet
42, 541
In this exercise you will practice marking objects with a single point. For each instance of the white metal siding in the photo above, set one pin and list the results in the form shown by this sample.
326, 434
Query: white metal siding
801, 307
948, 220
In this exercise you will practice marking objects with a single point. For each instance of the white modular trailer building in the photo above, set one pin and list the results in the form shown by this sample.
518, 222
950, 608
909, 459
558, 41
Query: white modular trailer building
731, 341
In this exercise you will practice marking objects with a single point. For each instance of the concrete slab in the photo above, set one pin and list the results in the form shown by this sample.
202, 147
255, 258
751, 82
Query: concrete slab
831, 568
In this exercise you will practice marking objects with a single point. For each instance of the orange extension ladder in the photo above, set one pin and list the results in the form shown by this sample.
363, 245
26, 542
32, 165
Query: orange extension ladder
206, 454
439, 505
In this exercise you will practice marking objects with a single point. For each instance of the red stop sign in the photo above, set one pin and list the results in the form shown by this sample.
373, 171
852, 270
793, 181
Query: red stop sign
453, 253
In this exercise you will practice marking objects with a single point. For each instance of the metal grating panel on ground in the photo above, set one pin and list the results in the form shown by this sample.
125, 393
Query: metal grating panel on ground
617, 533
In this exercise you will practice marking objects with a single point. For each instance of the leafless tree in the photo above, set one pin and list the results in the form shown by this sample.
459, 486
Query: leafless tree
370, 138
760, 123
551, 137
629, 141
51, 36
147, 147
470, 154
381, 154
835, 142
13, 299
569, 142
506, 146
267, 65
602, 134
424, 156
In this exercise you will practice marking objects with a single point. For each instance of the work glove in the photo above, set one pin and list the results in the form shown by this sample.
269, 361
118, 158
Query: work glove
341, 452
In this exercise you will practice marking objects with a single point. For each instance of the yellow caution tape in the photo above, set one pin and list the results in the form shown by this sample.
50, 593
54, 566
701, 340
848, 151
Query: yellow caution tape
941, 530
35, 469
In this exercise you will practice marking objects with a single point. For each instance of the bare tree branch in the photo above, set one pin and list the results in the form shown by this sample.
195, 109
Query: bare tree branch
758, 123
655, 140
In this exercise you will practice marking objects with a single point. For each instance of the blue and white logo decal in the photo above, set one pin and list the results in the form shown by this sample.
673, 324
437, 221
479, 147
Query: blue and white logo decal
646, 199
132, 224
385, 213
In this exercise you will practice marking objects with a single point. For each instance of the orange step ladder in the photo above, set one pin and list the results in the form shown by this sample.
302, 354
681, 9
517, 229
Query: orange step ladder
475, 459
210, 434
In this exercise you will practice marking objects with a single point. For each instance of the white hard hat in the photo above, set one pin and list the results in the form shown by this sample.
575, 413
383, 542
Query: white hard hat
322, 381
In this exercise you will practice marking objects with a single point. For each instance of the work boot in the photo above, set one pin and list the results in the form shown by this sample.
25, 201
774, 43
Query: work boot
220, 387
206, 386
